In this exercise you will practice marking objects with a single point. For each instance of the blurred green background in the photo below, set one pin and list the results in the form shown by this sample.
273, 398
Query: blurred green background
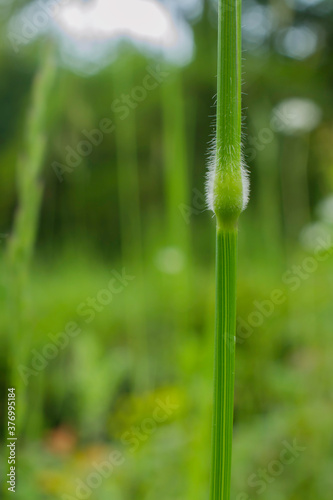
107, 249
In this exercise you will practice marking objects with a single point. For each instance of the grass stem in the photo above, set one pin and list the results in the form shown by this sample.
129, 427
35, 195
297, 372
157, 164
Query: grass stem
224, 365
22, 241
227, 191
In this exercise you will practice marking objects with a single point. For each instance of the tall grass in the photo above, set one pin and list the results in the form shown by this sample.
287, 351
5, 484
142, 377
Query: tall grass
128, 171
227, 192
176, 161
176, 180
22, 240
130, 223
268, 198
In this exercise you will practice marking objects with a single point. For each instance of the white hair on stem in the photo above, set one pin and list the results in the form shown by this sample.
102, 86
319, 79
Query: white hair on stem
210, 176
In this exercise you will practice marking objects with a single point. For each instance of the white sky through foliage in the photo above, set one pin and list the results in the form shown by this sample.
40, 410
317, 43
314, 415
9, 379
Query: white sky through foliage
90, 30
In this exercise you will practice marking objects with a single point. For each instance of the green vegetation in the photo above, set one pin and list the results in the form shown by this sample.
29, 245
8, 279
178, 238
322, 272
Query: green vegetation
114, 321
228, 192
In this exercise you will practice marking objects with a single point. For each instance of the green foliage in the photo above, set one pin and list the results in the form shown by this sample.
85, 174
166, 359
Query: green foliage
85, 399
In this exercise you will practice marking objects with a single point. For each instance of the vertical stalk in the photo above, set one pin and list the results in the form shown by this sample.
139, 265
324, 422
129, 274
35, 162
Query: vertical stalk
176, 161
227, 195
21, 243
269, 196
176, 177
228, 112
131, 227
29, 168
224, 369
128, 175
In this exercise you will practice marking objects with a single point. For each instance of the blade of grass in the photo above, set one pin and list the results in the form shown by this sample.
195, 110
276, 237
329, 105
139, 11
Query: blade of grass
226, 257
227, 191
21, 243
177, 183
131, 226
176, 161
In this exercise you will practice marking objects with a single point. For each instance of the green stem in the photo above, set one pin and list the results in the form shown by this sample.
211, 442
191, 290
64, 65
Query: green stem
176, 161
130, 225
228, 203
224, 365
228, 113
128, 176
229, 192
22, 241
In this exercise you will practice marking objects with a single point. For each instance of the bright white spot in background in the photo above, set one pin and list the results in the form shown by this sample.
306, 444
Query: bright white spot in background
192, 9
312, 233
303, 4
91, 28
297, 42
89, 32
309, 2
140, 19
170, 260
257, 23
325, 210
294, 116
